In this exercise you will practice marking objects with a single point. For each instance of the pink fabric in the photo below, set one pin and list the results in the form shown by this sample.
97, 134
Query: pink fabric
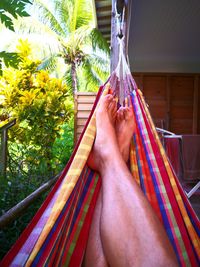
191, 157
173, 151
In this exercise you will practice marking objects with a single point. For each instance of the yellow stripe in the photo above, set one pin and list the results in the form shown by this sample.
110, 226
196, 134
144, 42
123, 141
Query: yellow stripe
192, 233
69, 182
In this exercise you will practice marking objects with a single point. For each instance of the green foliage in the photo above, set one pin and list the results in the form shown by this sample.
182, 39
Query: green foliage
62, 147
13, 190
11, 9
10, 60
72, 24
41, 142
41, 106
15, 8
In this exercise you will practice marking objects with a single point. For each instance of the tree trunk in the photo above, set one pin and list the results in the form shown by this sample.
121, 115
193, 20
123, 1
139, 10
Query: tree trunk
74, 78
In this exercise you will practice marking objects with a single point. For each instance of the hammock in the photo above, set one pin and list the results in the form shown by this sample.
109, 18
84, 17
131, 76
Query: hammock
57, 235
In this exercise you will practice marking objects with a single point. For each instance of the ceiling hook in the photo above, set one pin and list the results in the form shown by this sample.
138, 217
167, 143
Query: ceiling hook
119, 14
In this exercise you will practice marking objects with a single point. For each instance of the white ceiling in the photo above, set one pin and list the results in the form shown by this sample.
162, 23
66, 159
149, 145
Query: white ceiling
165, 36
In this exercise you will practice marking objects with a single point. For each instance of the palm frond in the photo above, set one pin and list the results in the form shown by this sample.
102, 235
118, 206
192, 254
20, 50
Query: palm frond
98, 41
84, 13
48, 17
48, 63
92, 79
81, 14
102, 74
80, 36
63, 11
68, 80
100, 60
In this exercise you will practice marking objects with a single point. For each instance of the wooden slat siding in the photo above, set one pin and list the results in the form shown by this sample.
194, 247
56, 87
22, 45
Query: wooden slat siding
155, 92
173, 99
168, 88
182, 95
83, 103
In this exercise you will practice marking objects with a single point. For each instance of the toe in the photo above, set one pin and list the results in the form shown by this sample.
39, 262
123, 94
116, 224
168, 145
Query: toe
121, 113
105, 101
113, 106
127, 114
112, 109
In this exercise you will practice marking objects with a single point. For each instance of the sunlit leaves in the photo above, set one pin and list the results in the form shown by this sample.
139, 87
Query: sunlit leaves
10, 9
40, 104
72, 24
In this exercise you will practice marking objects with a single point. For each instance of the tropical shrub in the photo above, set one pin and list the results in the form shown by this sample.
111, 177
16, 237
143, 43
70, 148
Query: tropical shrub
40, 104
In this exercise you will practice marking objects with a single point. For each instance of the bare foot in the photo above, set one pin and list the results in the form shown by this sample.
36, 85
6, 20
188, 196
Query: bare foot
106, 140
125, 127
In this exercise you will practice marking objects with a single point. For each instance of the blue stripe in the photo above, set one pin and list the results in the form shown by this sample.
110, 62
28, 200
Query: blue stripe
139, 167
89, 178
136, 107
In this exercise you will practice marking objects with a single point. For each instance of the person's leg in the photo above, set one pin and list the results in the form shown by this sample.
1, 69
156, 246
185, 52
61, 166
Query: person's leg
94, 254
131, 233
124, 127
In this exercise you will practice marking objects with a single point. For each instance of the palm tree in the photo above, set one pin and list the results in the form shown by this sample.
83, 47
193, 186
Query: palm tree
76, 40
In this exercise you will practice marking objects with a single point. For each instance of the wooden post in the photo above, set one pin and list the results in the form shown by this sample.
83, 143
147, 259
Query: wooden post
75, 117
118, 5
195, 105
4, 143
3, 158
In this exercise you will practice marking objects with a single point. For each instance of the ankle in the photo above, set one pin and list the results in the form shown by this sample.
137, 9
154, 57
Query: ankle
113, 158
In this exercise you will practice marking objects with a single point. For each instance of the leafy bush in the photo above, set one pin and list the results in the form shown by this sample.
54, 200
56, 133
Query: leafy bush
40, 143
40, 104
11, 232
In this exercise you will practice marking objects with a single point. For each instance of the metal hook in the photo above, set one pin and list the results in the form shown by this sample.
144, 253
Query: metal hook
119, 6
120, 13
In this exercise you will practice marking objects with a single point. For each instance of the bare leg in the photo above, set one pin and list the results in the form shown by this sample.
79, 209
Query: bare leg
124, 126
129, 227
94, 255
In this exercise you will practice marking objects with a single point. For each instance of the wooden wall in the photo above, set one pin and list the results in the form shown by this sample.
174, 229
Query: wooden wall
82, 106
173, 99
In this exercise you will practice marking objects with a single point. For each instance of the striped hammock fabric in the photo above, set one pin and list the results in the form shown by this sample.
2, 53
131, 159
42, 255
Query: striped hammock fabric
57, 235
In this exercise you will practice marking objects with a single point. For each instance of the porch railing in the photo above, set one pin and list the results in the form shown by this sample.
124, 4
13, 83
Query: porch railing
4, 146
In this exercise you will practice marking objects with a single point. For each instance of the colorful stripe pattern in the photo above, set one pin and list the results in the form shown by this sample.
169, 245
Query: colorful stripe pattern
162, 188
58, 234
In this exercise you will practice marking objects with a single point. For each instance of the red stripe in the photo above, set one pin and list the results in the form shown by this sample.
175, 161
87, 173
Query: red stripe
56, 250
75, 226
78, 254
187, 203
147, 176
170, 193
55, 235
